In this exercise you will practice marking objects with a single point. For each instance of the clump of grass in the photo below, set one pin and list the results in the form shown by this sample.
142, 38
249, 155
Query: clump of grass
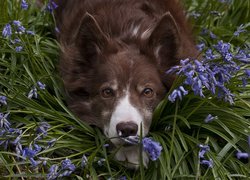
201, 137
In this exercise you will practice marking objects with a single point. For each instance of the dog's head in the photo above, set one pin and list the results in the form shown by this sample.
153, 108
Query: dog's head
116, 83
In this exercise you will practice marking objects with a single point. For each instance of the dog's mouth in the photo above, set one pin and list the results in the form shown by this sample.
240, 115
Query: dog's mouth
128, 141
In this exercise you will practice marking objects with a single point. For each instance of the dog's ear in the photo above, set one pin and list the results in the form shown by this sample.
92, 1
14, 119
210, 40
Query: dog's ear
165, 41
90, 39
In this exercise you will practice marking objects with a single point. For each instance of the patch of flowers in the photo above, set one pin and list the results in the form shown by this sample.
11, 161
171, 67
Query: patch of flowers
12, 31
212, 72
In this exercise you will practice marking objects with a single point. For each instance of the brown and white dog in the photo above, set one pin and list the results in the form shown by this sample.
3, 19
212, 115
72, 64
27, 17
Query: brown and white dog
114, 55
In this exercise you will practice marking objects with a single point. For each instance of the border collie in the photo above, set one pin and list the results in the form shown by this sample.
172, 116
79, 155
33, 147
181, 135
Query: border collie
114, 55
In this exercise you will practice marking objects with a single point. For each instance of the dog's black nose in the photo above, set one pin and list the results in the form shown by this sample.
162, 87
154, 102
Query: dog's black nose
125, 129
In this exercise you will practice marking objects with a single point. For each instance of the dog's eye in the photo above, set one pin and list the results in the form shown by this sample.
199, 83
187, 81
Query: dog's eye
148, 92
107, 92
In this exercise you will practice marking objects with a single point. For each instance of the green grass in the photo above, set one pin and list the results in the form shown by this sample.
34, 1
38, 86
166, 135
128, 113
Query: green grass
179, 127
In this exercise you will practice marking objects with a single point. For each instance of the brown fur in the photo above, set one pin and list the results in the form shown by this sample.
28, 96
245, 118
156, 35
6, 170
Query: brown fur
98, 44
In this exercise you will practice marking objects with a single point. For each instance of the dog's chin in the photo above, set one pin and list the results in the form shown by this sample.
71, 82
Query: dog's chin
128, 153
130, 157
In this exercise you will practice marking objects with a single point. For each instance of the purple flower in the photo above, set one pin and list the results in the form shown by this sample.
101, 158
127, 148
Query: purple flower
239, 30
24, 5
51, 6
247, 72
43, 128
208, 163
51, 142
3, 100
242, 56
57, 30
123, 178
84, 161
200, 46
212, 35
32, 93
20, 29
224, 1
15, 41
41, 85
222, 48
209, 55
7, 31
67, 165
131, 139
18, 48
242, 155
4, 123
152, 148
210, 118
203, 150
30, 32
17, 23
53, 172
177, 93
30, 154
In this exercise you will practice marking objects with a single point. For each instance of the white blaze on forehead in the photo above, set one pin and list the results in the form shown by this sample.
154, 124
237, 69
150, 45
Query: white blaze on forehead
123, 112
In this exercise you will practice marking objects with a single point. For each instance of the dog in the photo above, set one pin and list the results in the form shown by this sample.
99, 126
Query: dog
114, 55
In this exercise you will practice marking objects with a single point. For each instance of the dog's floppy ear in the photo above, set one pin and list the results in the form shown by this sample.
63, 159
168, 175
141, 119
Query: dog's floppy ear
90, 39
165, 41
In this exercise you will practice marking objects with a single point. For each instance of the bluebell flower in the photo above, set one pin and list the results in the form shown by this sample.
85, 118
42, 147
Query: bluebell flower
24, 5
242, 56
224, 1
17, 23
84, 161
209, 55
43, 128
3, 100
212, 35
131, 139
152, 148
32, 93
51, 6
177, 93
7, 31
200, 46
30, 32
41, 85
203, 150
123, 178
30, 153
4, 122
239, 30
210, 118
204, 31
20, 29
67, 165
247, 72
15, 41
51, 142
208, 163
18, 48
57, 30
223, 48
242, 155
19, 149
53, 172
